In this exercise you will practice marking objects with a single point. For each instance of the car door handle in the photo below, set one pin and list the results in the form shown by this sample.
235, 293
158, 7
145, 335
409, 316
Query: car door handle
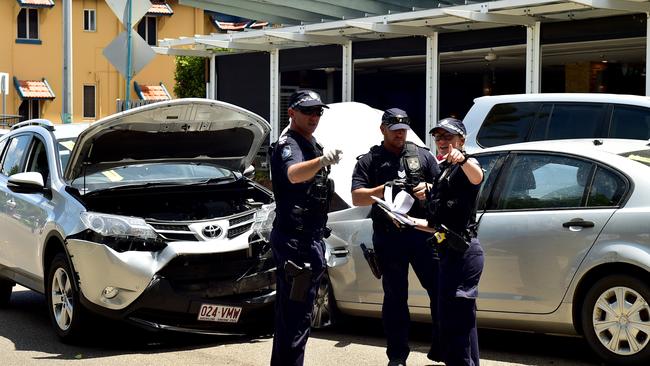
11, 203
578, 222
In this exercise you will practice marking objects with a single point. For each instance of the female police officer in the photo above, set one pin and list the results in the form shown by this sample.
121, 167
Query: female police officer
299, 169
452, 219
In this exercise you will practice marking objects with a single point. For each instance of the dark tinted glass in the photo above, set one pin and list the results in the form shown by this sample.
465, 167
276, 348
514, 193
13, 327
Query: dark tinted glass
630, 123
507, 123
490, 165
152, 37
572, 120
89, 101
22, 23
33, 23
607, 189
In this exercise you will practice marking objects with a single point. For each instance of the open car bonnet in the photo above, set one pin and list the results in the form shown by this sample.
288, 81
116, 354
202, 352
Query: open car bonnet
180, 130
354, 128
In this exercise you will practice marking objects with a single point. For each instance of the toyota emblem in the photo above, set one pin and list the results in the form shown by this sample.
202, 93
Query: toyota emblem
211, 231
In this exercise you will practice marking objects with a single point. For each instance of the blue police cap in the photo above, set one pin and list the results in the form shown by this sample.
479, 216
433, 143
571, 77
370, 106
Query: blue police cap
451, 125
305, 98
396, 119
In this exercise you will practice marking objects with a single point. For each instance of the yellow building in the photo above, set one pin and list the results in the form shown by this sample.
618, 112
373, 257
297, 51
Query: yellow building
31, 53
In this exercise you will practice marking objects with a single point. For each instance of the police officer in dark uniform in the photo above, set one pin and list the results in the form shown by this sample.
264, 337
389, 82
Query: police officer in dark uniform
299, 172
453, 221
405, 166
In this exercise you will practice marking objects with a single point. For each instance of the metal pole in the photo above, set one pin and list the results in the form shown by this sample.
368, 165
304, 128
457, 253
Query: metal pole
4, 97
274, 111
128, 55
347, 73
213, 77
647, 55
533, 59
66, 115
433, 86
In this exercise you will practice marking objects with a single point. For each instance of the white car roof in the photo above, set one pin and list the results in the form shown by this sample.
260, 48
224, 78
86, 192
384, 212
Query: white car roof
566, 97
583, 147
69, 130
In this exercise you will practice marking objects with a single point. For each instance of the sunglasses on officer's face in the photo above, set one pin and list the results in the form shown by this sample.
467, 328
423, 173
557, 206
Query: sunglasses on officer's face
446, 137
311, 111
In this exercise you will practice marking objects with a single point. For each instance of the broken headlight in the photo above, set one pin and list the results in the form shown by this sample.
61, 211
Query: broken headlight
264, 220
121, 233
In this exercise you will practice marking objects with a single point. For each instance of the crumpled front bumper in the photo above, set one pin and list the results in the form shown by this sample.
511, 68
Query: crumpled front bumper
165, 289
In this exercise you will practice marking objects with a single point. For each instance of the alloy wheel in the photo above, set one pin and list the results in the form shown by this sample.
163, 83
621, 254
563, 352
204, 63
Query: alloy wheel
322, 311
621, 320
62, 299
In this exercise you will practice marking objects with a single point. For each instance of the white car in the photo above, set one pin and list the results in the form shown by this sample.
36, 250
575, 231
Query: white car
145, 216
508, 119
567, 247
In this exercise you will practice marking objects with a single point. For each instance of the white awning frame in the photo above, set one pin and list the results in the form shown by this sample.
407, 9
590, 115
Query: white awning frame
423, 23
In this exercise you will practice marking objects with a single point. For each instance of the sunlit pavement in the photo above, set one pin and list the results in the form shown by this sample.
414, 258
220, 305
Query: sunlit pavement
27, 338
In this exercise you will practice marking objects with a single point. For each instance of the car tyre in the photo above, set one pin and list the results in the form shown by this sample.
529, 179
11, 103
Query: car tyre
6, 287
616, 319
63, 304
325, 312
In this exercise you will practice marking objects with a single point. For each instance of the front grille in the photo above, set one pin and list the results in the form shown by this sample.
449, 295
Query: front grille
236, 231
170, 227
200, 269
174, 232
238, 220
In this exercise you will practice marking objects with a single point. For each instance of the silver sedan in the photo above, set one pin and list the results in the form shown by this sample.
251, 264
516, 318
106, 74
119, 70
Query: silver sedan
564, 225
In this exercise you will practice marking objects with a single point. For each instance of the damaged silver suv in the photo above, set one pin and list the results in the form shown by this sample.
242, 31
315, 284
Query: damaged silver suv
146, 216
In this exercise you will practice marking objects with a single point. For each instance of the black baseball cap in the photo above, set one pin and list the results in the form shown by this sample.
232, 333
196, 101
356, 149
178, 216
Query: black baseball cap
396, 119
451, 125
305, 98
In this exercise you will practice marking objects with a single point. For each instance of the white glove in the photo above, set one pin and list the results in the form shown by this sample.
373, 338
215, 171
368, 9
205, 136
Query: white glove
330, 156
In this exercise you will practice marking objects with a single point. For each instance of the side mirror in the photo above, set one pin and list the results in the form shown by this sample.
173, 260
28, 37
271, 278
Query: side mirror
30, 182
249, 172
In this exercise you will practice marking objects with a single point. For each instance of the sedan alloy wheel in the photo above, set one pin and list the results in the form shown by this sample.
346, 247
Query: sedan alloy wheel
616, 317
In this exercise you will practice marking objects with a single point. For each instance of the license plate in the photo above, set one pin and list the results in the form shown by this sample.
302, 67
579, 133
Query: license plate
219, 313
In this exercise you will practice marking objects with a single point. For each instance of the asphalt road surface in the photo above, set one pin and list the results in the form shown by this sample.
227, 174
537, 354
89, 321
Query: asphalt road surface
27, 338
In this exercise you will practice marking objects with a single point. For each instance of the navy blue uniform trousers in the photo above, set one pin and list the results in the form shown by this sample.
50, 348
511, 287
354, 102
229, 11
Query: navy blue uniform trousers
293, 318
458, 288
395, 251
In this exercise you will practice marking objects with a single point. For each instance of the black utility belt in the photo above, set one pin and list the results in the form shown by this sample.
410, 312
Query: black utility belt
451, 239
305, 233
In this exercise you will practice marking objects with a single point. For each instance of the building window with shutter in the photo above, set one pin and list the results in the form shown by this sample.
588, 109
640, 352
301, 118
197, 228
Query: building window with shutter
89, 101
147, 30
27, 24
90, 24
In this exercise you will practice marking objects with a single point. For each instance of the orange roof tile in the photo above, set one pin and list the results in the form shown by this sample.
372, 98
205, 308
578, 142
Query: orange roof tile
160, 8
152, 92
36, 3
34, 89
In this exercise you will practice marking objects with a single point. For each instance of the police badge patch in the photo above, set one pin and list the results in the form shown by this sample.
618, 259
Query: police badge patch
286, 152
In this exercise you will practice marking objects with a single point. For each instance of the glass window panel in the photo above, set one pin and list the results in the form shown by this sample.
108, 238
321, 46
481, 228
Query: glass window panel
630, 123
151, 31
607, 189
16, 152
22, 23
576, 121
545, 181
507, 123
33, 23
89, 101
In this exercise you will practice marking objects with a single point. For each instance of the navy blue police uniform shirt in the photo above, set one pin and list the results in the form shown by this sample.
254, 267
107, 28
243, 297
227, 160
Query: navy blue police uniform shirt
291, 148
373, 169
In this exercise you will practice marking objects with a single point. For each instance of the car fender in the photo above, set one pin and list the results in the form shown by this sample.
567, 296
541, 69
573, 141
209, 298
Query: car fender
615, 252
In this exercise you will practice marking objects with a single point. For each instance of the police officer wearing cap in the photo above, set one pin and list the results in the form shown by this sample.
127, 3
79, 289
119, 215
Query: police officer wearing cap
401, 164
452, 220
299, 171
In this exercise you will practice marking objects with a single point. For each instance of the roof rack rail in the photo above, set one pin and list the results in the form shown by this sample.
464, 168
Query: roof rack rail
35, 122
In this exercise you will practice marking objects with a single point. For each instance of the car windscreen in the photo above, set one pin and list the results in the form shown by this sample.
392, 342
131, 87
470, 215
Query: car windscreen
153, 174
642, 156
